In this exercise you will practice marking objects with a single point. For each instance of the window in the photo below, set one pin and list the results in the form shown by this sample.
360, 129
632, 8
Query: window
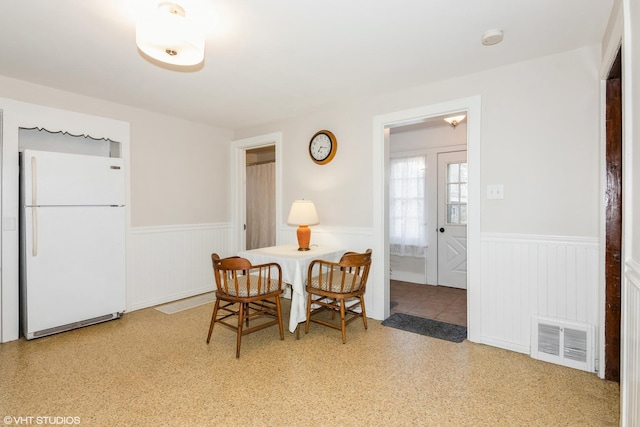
457, 193
407, 217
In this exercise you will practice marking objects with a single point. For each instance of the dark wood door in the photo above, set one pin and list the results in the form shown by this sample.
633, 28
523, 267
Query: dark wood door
613, 201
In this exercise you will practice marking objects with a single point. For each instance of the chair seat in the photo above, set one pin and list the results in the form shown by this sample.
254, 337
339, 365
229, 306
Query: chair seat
338, 283
255, 287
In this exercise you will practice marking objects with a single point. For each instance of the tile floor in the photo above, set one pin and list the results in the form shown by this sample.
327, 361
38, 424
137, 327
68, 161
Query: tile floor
430, 302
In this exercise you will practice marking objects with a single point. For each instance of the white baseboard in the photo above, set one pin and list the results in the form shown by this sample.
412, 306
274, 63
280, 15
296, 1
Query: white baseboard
170, 298
405, 276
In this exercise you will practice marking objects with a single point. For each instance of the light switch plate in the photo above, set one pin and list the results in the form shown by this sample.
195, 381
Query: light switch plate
495, 191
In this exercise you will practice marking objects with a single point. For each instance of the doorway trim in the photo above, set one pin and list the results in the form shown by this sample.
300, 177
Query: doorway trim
608, 64
380, 268
238, 184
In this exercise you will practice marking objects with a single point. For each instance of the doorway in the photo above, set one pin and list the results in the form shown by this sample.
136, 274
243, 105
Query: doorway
613, 221
380, 289
260, 197
428, 185
239, 149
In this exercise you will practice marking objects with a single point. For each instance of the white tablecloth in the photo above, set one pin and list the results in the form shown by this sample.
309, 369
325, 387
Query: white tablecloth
294, 265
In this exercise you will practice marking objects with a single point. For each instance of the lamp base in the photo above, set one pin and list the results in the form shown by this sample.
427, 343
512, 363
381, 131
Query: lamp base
304, 237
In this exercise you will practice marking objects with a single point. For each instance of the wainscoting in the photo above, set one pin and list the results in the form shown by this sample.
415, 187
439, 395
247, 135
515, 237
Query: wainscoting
172, 262
350, 238
630, 394
527, 275
522, 276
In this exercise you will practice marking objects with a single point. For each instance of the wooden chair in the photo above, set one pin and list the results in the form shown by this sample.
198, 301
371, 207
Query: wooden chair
247, 291
338, 287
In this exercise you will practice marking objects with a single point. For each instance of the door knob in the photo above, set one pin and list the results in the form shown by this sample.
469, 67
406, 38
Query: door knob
442, 229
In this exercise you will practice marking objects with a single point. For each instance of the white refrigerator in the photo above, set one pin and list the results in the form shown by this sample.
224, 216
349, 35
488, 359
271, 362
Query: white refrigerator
72, 238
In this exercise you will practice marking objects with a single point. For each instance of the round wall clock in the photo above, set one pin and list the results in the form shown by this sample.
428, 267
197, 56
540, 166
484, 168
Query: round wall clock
323, 147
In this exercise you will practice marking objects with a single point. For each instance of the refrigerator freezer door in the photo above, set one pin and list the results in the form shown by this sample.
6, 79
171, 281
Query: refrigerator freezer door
54, 179
78, 271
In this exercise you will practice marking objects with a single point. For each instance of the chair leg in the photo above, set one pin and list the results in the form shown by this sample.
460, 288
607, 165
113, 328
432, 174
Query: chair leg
342, 322
364, 312
213, 318
306, 324
246, 308
279, 317
240, 322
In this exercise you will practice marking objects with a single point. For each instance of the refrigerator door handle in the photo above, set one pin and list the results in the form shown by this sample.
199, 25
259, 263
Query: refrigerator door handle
34, 209
34, 182
34, 226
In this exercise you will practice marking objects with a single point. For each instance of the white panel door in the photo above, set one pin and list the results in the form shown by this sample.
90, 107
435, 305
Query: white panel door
452, 219
73, 263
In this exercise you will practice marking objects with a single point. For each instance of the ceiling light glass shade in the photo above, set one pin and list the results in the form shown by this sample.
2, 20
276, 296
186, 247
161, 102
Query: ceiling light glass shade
492, 37
455, 120
166, 35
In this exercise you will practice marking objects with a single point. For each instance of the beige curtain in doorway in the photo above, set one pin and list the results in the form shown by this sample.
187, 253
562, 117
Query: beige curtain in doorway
261, 207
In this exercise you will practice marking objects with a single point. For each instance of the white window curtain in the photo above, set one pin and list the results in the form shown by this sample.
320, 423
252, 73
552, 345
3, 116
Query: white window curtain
407, 216
261, 207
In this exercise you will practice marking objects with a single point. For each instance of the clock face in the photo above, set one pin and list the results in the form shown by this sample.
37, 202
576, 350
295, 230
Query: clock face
322, 147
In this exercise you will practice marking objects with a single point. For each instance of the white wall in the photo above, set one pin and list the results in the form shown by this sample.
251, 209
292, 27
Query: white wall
178, 172
179, 201
304, 179
539, 138
176, 165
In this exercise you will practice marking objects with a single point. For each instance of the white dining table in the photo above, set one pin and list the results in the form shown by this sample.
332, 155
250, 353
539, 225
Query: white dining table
294, 265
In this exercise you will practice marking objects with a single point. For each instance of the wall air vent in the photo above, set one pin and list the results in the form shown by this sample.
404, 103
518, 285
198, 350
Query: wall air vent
563, 342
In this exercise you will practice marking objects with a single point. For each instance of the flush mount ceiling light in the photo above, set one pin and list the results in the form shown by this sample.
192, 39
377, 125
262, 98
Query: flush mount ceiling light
492, 37
167, 35
455, 120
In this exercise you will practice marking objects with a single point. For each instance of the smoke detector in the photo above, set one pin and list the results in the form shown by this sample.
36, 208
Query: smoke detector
492, 37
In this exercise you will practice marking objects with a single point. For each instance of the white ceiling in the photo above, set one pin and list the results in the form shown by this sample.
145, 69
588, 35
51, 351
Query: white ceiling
267, 60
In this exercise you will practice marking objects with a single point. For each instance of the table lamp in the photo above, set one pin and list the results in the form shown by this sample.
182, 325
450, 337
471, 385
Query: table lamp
303, 214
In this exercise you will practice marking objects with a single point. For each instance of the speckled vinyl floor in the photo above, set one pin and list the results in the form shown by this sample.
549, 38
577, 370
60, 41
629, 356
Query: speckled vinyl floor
153, 369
